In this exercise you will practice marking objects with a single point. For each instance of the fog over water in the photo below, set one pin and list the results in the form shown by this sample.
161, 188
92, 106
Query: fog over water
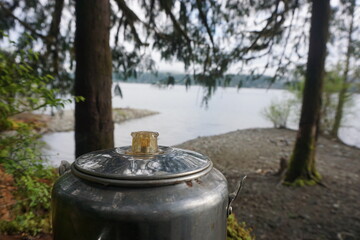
183, 116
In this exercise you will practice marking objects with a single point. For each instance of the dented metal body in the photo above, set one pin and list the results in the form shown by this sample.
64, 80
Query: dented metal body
112, 194
188, 210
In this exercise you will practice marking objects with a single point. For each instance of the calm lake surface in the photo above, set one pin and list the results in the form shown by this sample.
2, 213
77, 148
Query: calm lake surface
183, 116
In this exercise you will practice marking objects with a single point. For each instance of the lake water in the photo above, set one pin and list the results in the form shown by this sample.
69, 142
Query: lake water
183, 116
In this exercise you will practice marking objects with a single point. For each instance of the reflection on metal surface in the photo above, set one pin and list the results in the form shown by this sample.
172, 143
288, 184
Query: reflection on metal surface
146, 192
167, 212
117, 164
142, 182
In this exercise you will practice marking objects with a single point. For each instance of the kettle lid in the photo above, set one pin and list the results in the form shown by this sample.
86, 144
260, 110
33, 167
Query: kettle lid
142, 164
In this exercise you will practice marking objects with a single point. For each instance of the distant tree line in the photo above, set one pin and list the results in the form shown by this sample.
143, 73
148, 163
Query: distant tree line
235, 80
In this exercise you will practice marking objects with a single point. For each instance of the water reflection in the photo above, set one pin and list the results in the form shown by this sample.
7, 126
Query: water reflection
183, 118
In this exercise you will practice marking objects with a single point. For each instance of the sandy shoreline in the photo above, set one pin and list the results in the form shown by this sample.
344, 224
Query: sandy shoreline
64, 121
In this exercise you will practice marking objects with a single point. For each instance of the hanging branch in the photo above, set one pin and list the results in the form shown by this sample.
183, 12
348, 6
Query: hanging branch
202, 16
53, 34
118, 30
280, 67
24, 24
175, 22
56, 19
267, 31
130, 15
131, 19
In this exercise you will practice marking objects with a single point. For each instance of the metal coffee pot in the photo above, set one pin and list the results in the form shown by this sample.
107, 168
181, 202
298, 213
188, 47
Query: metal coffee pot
141, 192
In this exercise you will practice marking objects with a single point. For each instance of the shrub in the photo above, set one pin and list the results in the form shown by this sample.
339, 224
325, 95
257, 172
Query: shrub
278, 112
22, 89
238, 231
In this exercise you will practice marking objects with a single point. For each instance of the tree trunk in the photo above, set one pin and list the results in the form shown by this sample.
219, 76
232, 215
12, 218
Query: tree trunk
339, 109
52, 43
345, 83
302, 163
93, 77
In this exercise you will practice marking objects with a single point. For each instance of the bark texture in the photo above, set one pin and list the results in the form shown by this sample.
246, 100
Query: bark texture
52, 44
302, 163
93, 77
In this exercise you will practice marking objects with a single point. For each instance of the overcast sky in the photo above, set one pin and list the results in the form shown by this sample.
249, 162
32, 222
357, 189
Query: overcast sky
176, 66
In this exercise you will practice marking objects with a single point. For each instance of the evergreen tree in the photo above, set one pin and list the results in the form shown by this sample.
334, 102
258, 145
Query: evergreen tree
351, 49
93, 77
302, 168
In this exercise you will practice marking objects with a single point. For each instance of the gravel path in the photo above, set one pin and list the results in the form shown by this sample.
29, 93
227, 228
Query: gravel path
278, 212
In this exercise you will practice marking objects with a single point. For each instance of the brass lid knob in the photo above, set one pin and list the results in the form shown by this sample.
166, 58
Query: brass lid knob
144, 142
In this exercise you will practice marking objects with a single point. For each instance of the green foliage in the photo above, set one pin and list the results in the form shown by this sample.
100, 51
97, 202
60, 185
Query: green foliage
238, 231
28, 222
301, 183
22, 89
42, 21
313, 178
333, 84
21, 157
278, 112
301, 170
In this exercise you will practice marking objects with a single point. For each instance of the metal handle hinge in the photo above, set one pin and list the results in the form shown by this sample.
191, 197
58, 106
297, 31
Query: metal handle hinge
234, 195
64, 167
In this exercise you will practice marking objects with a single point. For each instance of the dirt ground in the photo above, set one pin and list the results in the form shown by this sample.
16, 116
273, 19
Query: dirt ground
278, 212
25, 237
7, 198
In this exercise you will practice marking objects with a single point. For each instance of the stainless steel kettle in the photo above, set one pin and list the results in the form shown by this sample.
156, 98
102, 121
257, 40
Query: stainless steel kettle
141, 192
